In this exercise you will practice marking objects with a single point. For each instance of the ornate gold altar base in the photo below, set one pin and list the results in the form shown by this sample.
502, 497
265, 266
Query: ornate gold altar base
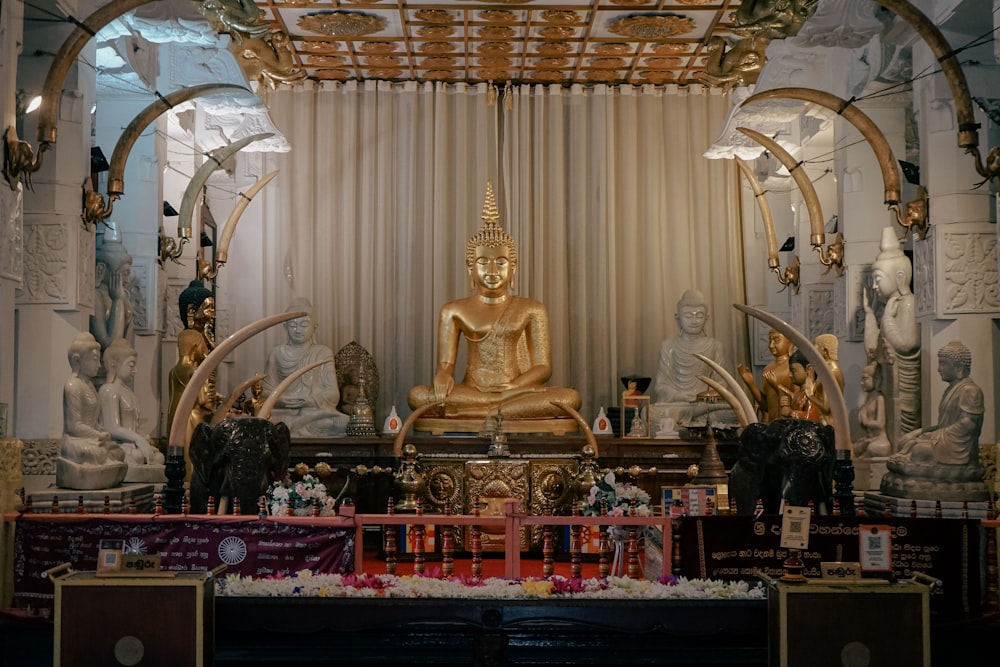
441, 426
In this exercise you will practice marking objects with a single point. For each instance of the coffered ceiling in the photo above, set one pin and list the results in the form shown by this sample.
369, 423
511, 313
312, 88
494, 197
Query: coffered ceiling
541, 41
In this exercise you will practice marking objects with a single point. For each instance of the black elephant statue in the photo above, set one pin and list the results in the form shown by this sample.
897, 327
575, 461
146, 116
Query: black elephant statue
239, 458
786, 460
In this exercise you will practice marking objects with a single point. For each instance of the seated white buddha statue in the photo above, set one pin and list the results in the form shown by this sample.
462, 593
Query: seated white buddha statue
677, 389
509, 351
309, 406
88, 458
120, 415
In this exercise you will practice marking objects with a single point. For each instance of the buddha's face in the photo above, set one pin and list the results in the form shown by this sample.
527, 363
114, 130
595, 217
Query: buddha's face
299, 330
691, 319
126, 370
867, 380
885, 282
493, 268
950, 369
90, 362
778, 344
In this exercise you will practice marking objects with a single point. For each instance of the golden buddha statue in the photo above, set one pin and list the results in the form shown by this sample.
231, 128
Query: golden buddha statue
509, 351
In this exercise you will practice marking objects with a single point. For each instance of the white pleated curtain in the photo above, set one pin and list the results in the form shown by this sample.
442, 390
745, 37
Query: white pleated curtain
605, 190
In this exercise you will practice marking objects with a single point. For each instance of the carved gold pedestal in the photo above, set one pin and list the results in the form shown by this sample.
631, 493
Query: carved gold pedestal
440, 425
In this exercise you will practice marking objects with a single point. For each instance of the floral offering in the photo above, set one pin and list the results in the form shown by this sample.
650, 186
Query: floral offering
308, 584
619, 497
300, 495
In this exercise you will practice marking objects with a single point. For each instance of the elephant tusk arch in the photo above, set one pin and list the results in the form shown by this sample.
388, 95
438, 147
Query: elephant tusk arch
737, 391
587, 432
116, 169
816, 236
729, 397
397, 443
868, 129
271, 401
765, 212
66, 57
222, 252
223, 410
176, 439
838, 407
215, 160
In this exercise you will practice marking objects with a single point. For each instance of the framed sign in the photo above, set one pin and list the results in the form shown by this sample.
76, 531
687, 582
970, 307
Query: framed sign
696, 500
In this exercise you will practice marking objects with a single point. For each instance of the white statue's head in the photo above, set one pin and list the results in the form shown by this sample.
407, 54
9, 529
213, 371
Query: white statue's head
692, 312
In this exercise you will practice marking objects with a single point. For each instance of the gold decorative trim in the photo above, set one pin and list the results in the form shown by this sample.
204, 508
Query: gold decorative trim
607, 63
320, 47
694, 2
495, 62
549, 76
434, 15
505, 2
327, 61
600, 76
382, 61
436, 47
440, 75
553, 48
334, 74
385, 73
563, 16
496, 32
438, 62
632, 3
491, 74
557, 32
378, 47
612, 49
498, 16
665, 62
435, 31
652, 27
495, 48
551, 63
342, 24
656, 76
670, 48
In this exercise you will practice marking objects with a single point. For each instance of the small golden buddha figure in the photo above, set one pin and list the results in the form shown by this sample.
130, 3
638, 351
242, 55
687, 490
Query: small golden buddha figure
509, 351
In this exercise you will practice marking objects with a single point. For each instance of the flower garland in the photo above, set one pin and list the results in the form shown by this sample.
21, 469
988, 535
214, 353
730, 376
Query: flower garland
308, 584
300, 496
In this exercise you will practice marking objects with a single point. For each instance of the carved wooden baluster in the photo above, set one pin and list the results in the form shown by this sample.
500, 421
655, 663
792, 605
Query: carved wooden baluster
80, 507
887, 508
632, 568
107, 505
476, 545
236, 506
991, 599
55, 505
289, 510
548, 550
709, 506
734, 509
419, 534
315, 507
836, 507
158, 504
937, 509
965, 509
603, 567
447, 546
860, 509
186, 504
990, 509
210, 507
812, 508
132, 508
675, 543
758, 508
390, 540
262, 507
574, 545
913, 509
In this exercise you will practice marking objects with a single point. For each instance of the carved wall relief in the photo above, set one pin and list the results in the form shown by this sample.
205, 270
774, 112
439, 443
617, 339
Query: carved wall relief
969, 267
11, 233
45, 264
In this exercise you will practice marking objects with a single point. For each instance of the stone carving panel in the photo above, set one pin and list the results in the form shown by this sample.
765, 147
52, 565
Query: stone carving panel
819, 315
12, 232
969, 269
141, 291
38, 457
493, 482
923, 276
45, 264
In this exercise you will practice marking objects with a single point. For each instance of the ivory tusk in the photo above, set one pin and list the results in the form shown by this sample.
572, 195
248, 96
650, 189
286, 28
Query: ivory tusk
765, 211
66, 57
838, 407
587, 432
116, 169
178, 432
397, 443
734, 386
215, 159
817, 237
730, 398
222, 251
270, 401
223, 410
868, 129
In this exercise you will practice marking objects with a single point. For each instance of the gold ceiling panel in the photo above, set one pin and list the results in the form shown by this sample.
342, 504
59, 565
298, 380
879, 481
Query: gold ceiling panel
541, 41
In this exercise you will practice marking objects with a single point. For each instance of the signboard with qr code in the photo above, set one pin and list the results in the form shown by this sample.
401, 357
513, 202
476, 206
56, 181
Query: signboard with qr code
795, 527
875, 548
109, 555
696, 500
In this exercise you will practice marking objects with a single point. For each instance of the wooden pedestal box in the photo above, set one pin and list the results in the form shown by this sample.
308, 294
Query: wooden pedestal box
146, 621
830, 625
